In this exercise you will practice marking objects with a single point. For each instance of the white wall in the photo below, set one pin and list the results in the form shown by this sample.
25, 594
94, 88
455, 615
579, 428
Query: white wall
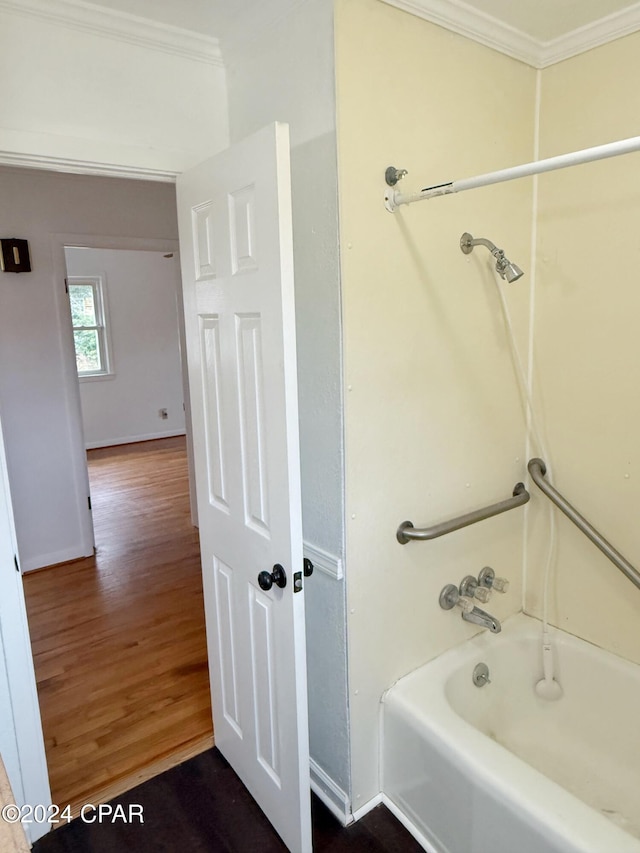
141, 291
74, 92
38, 384
285, 72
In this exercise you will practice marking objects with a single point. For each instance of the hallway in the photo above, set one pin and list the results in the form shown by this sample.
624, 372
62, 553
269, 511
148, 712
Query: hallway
118, 639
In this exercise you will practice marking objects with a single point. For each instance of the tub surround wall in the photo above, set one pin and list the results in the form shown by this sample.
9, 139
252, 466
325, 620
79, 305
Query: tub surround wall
434, 425
586, 343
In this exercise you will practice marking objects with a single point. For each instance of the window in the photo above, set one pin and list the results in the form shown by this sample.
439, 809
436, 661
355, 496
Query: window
86, 296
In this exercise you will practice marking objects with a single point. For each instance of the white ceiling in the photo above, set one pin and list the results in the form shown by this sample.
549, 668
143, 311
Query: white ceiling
206, 17
546, 20
196, 15
542, 20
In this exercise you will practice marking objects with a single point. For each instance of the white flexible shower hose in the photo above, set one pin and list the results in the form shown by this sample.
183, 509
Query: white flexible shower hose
548, 687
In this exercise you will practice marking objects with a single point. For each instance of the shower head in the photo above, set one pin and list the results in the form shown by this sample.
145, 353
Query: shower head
505, 269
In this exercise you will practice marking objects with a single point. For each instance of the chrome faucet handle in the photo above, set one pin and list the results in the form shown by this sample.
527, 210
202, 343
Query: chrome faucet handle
487, 578
450, 597
483, 594
465, 604
470, 586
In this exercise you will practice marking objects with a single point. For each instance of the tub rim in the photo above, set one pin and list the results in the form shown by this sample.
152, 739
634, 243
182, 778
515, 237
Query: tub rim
491, 764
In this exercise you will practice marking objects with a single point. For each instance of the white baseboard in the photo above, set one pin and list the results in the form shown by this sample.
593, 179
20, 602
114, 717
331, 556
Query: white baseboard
367, 807
132, 439
43, 560
331, 794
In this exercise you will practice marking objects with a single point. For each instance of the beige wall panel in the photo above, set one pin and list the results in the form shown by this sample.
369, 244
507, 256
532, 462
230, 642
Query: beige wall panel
434, 423
587, 346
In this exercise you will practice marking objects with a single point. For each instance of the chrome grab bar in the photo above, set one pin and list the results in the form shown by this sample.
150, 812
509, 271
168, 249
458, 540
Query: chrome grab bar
538, 469
407, 531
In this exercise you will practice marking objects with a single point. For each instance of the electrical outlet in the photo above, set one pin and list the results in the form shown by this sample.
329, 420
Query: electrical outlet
163, 414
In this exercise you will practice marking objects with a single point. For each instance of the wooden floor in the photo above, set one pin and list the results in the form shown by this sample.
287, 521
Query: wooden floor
119, 640
201, 807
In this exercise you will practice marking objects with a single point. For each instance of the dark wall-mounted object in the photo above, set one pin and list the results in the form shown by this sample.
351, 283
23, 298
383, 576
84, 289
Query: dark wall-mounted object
14, 255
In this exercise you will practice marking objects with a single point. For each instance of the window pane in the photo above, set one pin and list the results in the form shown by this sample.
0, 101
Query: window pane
83, 309
87, 351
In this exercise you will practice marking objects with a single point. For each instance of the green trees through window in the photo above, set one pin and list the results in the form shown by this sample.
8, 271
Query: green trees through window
89, 331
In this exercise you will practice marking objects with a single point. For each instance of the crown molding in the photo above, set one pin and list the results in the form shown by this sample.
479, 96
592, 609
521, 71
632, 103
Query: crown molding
454, 15
585, 38
121, 26
465, 20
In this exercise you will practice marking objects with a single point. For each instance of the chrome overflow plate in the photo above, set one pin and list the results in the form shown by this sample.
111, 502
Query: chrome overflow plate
481, 675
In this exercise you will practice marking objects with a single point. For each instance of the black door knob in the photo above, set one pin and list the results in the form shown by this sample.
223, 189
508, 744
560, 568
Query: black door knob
278, 577
308, 567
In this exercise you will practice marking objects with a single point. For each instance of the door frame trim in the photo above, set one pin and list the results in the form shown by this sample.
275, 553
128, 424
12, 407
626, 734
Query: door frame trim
71, 390
30, 738
73, 166
35, 773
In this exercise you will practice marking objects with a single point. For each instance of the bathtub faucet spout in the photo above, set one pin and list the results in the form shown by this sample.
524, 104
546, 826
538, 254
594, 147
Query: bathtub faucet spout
481, 617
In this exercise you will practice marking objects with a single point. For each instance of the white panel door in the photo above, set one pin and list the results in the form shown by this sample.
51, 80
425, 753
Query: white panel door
237, 266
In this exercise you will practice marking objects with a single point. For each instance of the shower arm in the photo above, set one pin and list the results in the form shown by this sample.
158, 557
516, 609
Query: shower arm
406, 531
467, 243
482, 241
538, 469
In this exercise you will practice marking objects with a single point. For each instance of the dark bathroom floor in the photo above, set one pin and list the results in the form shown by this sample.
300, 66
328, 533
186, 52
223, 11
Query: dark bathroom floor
202, 807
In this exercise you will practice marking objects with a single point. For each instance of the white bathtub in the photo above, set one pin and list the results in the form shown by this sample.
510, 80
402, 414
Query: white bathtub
496, 769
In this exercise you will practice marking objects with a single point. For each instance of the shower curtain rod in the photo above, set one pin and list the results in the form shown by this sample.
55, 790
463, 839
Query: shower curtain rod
393, 198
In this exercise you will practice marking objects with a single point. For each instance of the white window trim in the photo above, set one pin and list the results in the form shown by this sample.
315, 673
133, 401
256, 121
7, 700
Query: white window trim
99, 285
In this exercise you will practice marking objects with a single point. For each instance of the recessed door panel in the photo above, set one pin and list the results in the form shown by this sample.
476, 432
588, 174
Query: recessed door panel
252, 422
264, 693
242, 222
224, 583
212, 395
203, 242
